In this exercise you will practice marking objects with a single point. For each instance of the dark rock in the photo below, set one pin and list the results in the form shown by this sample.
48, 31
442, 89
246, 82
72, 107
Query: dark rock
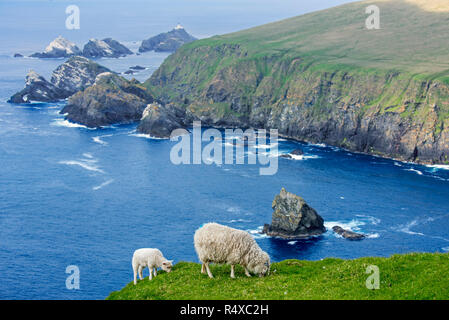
18, 55
297, 152
128, 72
159, 121
58, 48
37, 89
293, 218
76, 74
347, 233
286, 156
105, 48
137, 68
111, 99
169, 41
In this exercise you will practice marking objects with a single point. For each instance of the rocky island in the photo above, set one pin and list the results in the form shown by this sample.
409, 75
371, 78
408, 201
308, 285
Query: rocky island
168, 41
293, 218
58, 48
106, 48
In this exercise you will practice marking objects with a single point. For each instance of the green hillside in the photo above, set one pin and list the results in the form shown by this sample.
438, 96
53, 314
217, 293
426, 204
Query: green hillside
324, 77
411, 276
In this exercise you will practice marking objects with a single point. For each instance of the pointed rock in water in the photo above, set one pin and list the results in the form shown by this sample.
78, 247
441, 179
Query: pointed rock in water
159, 121
105, 48
77, 73
111, 99
167, 42
58, 48
293, 218
37, 89
348, 234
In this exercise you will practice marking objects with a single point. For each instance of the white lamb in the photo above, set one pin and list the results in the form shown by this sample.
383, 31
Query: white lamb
151, 258
215, 243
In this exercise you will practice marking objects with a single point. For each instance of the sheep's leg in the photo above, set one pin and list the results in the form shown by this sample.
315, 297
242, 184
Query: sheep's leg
135, 274
151, 273
208, 270
140, 272
232, 271
203, 268
155, 272
247, 272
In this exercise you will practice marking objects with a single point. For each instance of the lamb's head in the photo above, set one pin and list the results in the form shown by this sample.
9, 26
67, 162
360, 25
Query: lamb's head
167, 265
261, 264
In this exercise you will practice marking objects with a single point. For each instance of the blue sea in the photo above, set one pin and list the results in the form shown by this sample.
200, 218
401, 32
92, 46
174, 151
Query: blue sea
70, 195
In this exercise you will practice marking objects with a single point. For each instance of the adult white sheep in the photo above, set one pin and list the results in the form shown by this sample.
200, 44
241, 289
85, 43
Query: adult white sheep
215, 243
151, 258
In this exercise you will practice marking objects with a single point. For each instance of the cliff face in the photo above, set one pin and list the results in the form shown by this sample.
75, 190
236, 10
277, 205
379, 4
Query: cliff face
390, 110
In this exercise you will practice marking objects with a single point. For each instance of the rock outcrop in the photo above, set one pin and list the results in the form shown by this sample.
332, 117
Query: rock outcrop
77, 73
108, 48
38, 89
111, 99
293, 218
348, 234
294, 153
168, 41
58, 48
159, 121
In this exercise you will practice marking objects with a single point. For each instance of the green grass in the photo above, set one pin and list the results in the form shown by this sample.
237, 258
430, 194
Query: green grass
410, 276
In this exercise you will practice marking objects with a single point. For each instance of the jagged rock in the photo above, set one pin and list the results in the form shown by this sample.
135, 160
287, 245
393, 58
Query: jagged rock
73, 75
111, 99
293, 218
348, 234
37, 89
58, 48
18, 55
128, 72
160, 121
77, 73
105, 48
137, 67
297, 152
169, 41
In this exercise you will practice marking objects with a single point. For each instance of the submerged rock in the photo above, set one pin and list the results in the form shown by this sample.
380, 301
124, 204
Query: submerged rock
348, 234
159, 121
58, 48
293, 218
38, 89
111, 99
169, 41
105, 48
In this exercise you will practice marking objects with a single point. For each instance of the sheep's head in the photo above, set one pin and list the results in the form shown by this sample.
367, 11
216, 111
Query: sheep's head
167, 265
262, 267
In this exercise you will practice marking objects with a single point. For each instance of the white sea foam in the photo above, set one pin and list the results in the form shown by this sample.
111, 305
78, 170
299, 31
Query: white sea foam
146, 136
445, 249
406, 228
104, 184
438, 167
292, 242
414, 170
257, 233
98, 139
68, 124
82, 164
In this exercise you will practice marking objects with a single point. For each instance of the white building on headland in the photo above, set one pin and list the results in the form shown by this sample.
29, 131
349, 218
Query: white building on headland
179, 26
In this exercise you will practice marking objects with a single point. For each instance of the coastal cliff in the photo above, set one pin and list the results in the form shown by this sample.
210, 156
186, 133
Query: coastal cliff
324, 78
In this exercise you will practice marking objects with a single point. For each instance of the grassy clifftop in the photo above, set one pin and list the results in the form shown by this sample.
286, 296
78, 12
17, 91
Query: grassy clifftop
410, 276
324, 77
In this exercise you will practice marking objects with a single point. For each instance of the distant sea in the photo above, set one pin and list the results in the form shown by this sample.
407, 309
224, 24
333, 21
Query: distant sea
70, 195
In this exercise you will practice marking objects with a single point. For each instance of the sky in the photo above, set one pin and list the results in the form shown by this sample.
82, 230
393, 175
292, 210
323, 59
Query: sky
34, 23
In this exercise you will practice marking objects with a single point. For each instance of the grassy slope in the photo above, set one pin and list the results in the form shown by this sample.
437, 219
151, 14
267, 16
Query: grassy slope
411, 276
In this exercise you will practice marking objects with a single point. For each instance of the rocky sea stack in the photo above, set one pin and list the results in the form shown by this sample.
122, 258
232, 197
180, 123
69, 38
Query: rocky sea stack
58, 48
168, 41
160, 121
111, 99
108, 48
293, 218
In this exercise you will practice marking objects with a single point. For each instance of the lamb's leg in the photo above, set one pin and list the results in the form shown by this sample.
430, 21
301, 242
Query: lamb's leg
232, 271
155, 272
140, 273
247, 272
203, 268
151, 273
135, 274
208, 270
